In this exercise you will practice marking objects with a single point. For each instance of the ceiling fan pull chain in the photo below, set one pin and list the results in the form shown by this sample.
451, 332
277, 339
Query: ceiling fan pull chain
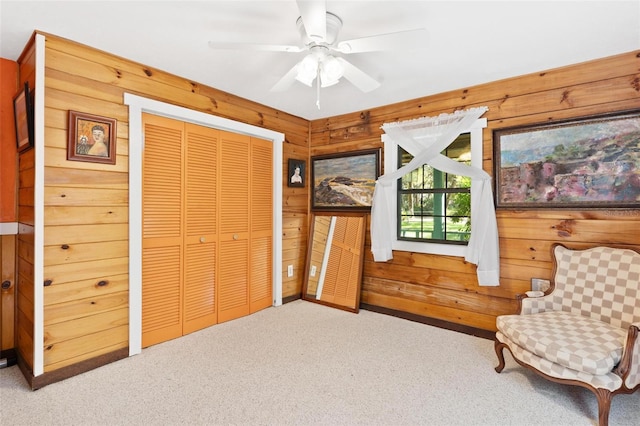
318, 87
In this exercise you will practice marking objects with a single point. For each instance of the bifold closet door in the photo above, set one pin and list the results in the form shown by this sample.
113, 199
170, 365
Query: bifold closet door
246, 226
201, 235
260, 273
179, 243
162, 234
235, 193
207, 237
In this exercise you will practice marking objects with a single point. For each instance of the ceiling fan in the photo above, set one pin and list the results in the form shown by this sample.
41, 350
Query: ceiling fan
319, 31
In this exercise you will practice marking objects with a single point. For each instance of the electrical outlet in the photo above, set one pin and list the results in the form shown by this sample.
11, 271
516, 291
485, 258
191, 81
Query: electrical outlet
290, 271
539, 284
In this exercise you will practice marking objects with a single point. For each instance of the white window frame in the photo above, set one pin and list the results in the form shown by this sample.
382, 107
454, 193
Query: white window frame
391, 164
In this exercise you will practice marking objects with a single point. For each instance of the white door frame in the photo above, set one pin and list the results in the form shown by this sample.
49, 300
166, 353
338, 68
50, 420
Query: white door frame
137, 106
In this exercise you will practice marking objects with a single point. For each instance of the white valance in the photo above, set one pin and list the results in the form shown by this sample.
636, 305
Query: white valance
425, 138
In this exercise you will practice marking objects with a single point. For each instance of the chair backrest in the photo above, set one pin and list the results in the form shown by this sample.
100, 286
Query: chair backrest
601, 282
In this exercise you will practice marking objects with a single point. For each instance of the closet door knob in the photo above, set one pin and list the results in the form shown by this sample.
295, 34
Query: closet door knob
235, 236
202, 239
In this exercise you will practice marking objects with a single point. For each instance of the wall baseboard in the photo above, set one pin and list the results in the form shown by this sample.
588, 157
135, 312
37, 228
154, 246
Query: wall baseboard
291, 298
8, 358
473, 331
37, 382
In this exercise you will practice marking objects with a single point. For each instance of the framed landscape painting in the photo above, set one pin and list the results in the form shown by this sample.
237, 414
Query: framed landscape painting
591, 162
344, 181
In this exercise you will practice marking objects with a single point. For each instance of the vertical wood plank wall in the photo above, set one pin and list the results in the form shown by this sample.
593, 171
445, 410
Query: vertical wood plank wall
25, 238
445, 288
86, 204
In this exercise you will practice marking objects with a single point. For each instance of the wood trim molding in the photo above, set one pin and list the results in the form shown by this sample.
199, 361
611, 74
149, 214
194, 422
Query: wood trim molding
291, 298
37, 382
473, 331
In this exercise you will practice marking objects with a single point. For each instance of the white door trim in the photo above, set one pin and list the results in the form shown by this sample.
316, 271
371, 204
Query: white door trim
138, 105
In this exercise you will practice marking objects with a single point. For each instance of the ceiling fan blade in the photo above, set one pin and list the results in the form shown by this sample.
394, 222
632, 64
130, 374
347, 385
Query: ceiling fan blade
255, 46
314, 18
358, 77
287, 80
410, 39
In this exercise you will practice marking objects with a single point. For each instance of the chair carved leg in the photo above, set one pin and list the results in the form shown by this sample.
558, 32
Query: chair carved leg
499, 346
604, 405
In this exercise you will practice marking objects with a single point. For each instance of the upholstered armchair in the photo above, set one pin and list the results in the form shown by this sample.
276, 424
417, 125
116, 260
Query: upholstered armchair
584, 330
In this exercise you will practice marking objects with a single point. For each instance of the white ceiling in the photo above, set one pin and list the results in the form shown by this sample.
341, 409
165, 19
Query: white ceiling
470, 42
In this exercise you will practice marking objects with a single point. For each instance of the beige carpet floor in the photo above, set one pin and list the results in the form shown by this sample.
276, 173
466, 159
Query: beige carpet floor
307, 364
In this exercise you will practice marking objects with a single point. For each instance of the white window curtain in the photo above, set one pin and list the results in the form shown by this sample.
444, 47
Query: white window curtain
425, 138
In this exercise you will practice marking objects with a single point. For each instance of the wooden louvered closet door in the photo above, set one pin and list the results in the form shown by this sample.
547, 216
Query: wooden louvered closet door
162, 229
246, 231
235, 194
207, 227
201, 234
179, 243
260, 274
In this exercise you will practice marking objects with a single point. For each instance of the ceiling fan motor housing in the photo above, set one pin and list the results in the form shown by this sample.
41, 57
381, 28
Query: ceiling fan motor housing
334, 24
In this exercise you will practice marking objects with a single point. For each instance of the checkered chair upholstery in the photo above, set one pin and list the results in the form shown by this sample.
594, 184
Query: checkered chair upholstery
584, 330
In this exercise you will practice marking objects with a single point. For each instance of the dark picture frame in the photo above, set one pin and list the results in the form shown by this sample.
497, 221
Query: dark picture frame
23, 115
92, 138
344, 181
591, 162
296, 173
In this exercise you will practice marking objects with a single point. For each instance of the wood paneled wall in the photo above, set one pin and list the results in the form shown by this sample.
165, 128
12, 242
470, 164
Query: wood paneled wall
25, 241
86, 204
445, 288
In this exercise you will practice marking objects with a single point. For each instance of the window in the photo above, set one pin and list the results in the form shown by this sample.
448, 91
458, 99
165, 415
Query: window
433, 208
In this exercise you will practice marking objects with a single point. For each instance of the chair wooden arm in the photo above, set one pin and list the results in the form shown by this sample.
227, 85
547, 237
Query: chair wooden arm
629, 367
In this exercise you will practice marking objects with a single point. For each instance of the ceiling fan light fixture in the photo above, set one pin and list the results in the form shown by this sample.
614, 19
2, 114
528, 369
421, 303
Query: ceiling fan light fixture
332, 68
325, 82
331, 71
307, 70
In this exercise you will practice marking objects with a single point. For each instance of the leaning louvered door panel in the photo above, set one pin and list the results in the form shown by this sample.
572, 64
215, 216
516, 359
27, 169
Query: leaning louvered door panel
342, 277
352, 244
161, 230
332, 275
233, 283
260, 277
201, 167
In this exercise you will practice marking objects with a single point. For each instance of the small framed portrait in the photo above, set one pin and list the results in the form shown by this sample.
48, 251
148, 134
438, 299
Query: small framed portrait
91, 138
23, 115
296, 176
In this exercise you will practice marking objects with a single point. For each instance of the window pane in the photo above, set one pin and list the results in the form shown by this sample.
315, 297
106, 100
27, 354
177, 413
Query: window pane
459, 204
455, 181
433, 205
416, 204
456, 230
427, 172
